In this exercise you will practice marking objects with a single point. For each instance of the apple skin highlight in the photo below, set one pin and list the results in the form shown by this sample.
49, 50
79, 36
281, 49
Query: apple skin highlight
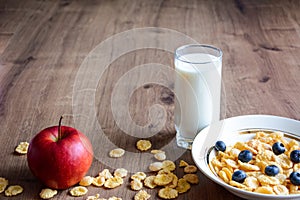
60, 163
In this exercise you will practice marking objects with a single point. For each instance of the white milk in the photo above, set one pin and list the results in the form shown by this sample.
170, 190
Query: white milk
197, 90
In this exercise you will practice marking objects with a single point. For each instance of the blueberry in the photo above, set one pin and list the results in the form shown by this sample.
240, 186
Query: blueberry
278, 148
271, 170
295, 156
295, 178
239, 176
245, 156
220, 146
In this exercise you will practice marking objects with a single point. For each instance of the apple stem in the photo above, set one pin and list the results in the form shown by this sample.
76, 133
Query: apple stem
59, 127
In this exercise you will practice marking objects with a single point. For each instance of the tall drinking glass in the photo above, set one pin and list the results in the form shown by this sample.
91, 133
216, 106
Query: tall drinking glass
198, 90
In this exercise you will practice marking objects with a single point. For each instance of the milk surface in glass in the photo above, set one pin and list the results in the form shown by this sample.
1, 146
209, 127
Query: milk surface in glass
197, 90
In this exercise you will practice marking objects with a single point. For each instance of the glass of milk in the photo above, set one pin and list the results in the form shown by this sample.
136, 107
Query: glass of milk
197, 90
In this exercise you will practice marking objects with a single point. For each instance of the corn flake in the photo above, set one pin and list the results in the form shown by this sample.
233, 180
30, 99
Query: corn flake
163, 179
86, 181
231, 163
139, 176
13, 190
182, 163
22, 148
169, 165
167, 193
121, 172
191, 178
47, 193
239, 185
98, 181
190, 169
155, 151
248, 167
149, 182
156, 166
3, 184
223, 176
265, 190
265, 180
142, 195
113, 182
243, 146
281, 178
251, 182
164, 171
228, 171
174, 182
106, 174
183, 186
78, 191
281, 190
160, 156
116, 153
234, 153
136, 184
284, 161
143, 145
95, 197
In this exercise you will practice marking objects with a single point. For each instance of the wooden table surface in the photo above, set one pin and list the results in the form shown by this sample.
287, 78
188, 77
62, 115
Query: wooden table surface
101, 65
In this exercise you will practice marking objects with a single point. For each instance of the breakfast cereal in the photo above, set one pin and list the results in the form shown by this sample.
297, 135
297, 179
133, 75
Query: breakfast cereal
121, 172
136, 184
190, 169
94, 197
149, 182
142, 195
183, 186
78, 191
252, 182
264, 190
156, 166
3, 184
163, 179
182, 163
113, 182
86, 181
13, 190
160, 156
116, 153
22, 148
191, 178
47, 193
281, 190
169, 165
106, 174
139, 175
167, 193
270, 169
98, 181
155, 151
143, 145
174, 182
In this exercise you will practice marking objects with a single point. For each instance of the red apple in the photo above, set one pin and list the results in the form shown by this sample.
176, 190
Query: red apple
59, 156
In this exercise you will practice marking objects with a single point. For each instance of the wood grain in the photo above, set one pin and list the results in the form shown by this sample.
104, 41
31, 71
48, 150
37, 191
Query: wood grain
44, 43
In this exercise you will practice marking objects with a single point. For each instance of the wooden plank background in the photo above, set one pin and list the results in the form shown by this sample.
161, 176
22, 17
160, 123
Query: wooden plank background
44, 43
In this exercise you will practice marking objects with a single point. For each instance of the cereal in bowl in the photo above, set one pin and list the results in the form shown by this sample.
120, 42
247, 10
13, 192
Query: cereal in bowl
268, 163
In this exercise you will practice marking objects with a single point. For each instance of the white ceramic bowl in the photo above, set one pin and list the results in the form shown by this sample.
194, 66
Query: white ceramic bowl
228, 131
